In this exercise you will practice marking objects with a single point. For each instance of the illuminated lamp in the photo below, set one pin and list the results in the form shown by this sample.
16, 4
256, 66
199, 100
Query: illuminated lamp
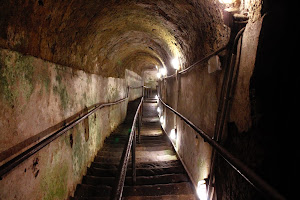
175, 63
163, 71
158, 75
201, 190
173, 134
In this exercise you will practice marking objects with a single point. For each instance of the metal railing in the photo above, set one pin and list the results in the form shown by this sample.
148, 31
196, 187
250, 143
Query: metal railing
248, 174
198, 62
12, 163
131, 144
148, 91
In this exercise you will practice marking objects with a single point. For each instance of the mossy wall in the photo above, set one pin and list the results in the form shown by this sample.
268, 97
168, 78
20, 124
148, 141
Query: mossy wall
38, 97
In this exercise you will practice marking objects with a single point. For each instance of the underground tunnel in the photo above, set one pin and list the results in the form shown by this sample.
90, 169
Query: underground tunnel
156, 99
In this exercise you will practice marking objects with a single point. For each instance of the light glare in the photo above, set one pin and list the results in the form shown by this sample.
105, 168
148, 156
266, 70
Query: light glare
161, 119
175, 63
163, 71
158, 110
158, 75
201, 190
227, 1
173, 134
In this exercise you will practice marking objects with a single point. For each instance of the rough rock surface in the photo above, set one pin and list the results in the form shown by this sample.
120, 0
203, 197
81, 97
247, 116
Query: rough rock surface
105, 37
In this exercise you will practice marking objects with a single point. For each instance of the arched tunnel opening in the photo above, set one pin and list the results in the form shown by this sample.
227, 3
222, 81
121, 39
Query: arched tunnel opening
72, 74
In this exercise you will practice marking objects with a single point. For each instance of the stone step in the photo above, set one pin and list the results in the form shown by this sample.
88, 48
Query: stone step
139, 171
183, 188
142, 144
162, 197
158, 189
162, 164
83, 190
140, 180
151, 158
138, 153
143, 137
138, 148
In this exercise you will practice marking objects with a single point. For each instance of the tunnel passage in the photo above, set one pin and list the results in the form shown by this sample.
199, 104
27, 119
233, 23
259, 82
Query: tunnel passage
58, 59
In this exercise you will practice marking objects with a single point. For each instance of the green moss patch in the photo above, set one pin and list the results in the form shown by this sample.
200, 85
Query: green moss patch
16, 77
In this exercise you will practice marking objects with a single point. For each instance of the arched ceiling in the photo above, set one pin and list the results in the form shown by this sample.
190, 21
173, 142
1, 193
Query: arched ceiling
106, 37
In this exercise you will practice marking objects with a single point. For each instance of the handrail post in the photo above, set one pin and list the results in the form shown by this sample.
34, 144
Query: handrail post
133, 158
139, 126
148, 93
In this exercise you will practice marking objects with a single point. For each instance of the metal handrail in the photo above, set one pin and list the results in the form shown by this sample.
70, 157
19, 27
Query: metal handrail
120, 179
248, 174
197, 62
12, 163
137, 87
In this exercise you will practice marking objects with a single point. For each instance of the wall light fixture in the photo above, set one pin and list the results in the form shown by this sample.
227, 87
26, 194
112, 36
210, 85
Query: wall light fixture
201, 190
175, 63
173, 134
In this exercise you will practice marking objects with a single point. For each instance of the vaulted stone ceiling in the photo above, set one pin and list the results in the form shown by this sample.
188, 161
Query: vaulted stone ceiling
106, 37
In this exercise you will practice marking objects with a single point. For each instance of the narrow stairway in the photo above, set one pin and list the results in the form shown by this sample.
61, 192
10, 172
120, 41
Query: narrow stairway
160, 175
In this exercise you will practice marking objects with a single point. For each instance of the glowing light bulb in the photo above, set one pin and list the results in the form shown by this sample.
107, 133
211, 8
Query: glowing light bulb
158, 110
163, 71
156, 97
173, 134
161, 119
158, 75
175, 63
201, 190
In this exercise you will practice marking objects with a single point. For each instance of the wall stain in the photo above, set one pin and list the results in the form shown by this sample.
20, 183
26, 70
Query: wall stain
16, 77
61, 90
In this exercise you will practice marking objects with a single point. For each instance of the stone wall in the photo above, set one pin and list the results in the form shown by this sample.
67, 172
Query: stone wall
37, 98
134, 80
258, 120
150, 78
198, 96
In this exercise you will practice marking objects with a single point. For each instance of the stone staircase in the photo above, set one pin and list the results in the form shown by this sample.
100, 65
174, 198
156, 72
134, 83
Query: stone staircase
160, 175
